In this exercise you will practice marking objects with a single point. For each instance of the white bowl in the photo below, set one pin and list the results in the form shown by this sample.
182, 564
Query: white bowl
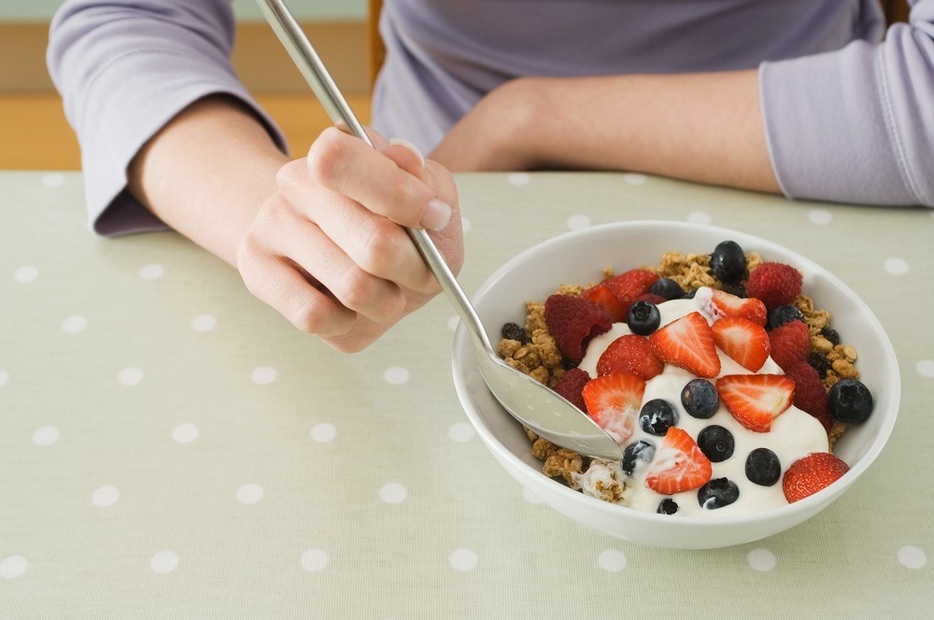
579, 257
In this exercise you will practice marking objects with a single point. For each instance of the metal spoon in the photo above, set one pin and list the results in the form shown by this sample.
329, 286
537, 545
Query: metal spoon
530, 402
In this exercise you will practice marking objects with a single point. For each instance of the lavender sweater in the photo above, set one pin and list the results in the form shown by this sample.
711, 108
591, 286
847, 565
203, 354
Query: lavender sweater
848, 107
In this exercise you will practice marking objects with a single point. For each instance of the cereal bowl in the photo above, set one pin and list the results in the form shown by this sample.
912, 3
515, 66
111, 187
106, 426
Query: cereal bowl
580, 257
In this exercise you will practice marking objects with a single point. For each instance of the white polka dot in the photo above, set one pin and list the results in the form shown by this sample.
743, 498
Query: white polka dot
4, 378
925, 369
250, 494
699, 217
130, 376
465, 225
453, 322
531, 497
896, 266
53, 179
185, 433
912, 557
461, 432
761, 560
393, 493
74, 324
264, 375
396, 375
323, 432
463, 560
152, 272
203, 323
13, 567
314, 560
105, 496
634, 178
26, 273
519, 178
164, 562
612, 560
46, 436
578, 222
821, 217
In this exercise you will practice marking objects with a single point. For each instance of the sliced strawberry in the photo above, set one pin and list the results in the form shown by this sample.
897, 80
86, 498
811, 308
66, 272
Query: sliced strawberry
631, 284
573, 321
776, 284
726, 304
743, 340
602, 294
688, 343
613, 402
789, 343
811, 473
571, 386
756, 400
632, 354
679, 465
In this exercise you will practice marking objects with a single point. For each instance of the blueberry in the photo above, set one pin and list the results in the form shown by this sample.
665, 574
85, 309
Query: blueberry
728, 261
763, 467
849, 401
657, 416
717, 493
667, 288
716, 443
700, 398
643, 318
512, 331
637, 453
667, 506
783, 314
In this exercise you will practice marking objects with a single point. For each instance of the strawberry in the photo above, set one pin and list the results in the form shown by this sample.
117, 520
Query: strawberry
776, 284
789, 344
613, 402
688, 343
602, 294
727, 304
811, 473
571, 385
631, 284
630, 353
742, 340
652, 298
573, 321
756, 400
810, 395
679, 465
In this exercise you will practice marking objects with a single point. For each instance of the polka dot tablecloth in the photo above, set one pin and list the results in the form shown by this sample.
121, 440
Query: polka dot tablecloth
172, 448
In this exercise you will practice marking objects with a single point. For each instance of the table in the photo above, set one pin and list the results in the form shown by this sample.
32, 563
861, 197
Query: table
172, 448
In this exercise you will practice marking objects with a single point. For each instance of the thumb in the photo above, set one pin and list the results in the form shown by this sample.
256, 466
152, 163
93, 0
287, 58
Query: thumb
407, 156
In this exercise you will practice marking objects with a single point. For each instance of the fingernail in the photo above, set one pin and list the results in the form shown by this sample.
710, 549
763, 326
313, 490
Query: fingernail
437, 215
410, 146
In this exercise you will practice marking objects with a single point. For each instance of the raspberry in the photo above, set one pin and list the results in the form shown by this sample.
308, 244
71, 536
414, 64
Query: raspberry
809, 392
776, 284
789, 344
573, 321
571, 386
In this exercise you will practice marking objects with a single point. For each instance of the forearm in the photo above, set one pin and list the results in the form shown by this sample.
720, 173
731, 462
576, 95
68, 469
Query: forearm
704, 127
207, 172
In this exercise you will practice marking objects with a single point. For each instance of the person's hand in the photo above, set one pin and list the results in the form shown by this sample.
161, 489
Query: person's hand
328, 249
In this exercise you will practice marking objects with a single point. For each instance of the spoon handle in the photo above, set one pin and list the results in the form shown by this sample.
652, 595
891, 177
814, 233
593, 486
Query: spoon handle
311, 66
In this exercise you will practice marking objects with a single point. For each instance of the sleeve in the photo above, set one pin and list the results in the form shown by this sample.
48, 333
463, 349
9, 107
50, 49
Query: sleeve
857, 125
124, 69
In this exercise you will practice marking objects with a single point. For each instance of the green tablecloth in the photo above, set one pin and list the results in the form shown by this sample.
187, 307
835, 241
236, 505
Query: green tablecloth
172, 448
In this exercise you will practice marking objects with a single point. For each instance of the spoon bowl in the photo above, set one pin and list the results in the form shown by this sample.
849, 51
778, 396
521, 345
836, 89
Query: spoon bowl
531, 403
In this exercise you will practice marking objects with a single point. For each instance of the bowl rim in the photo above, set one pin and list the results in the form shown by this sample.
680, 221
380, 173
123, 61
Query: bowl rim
462, 355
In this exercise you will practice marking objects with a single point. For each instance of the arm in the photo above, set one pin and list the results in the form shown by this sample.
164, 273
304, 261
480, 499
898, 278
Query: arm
318, 238
853, 125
